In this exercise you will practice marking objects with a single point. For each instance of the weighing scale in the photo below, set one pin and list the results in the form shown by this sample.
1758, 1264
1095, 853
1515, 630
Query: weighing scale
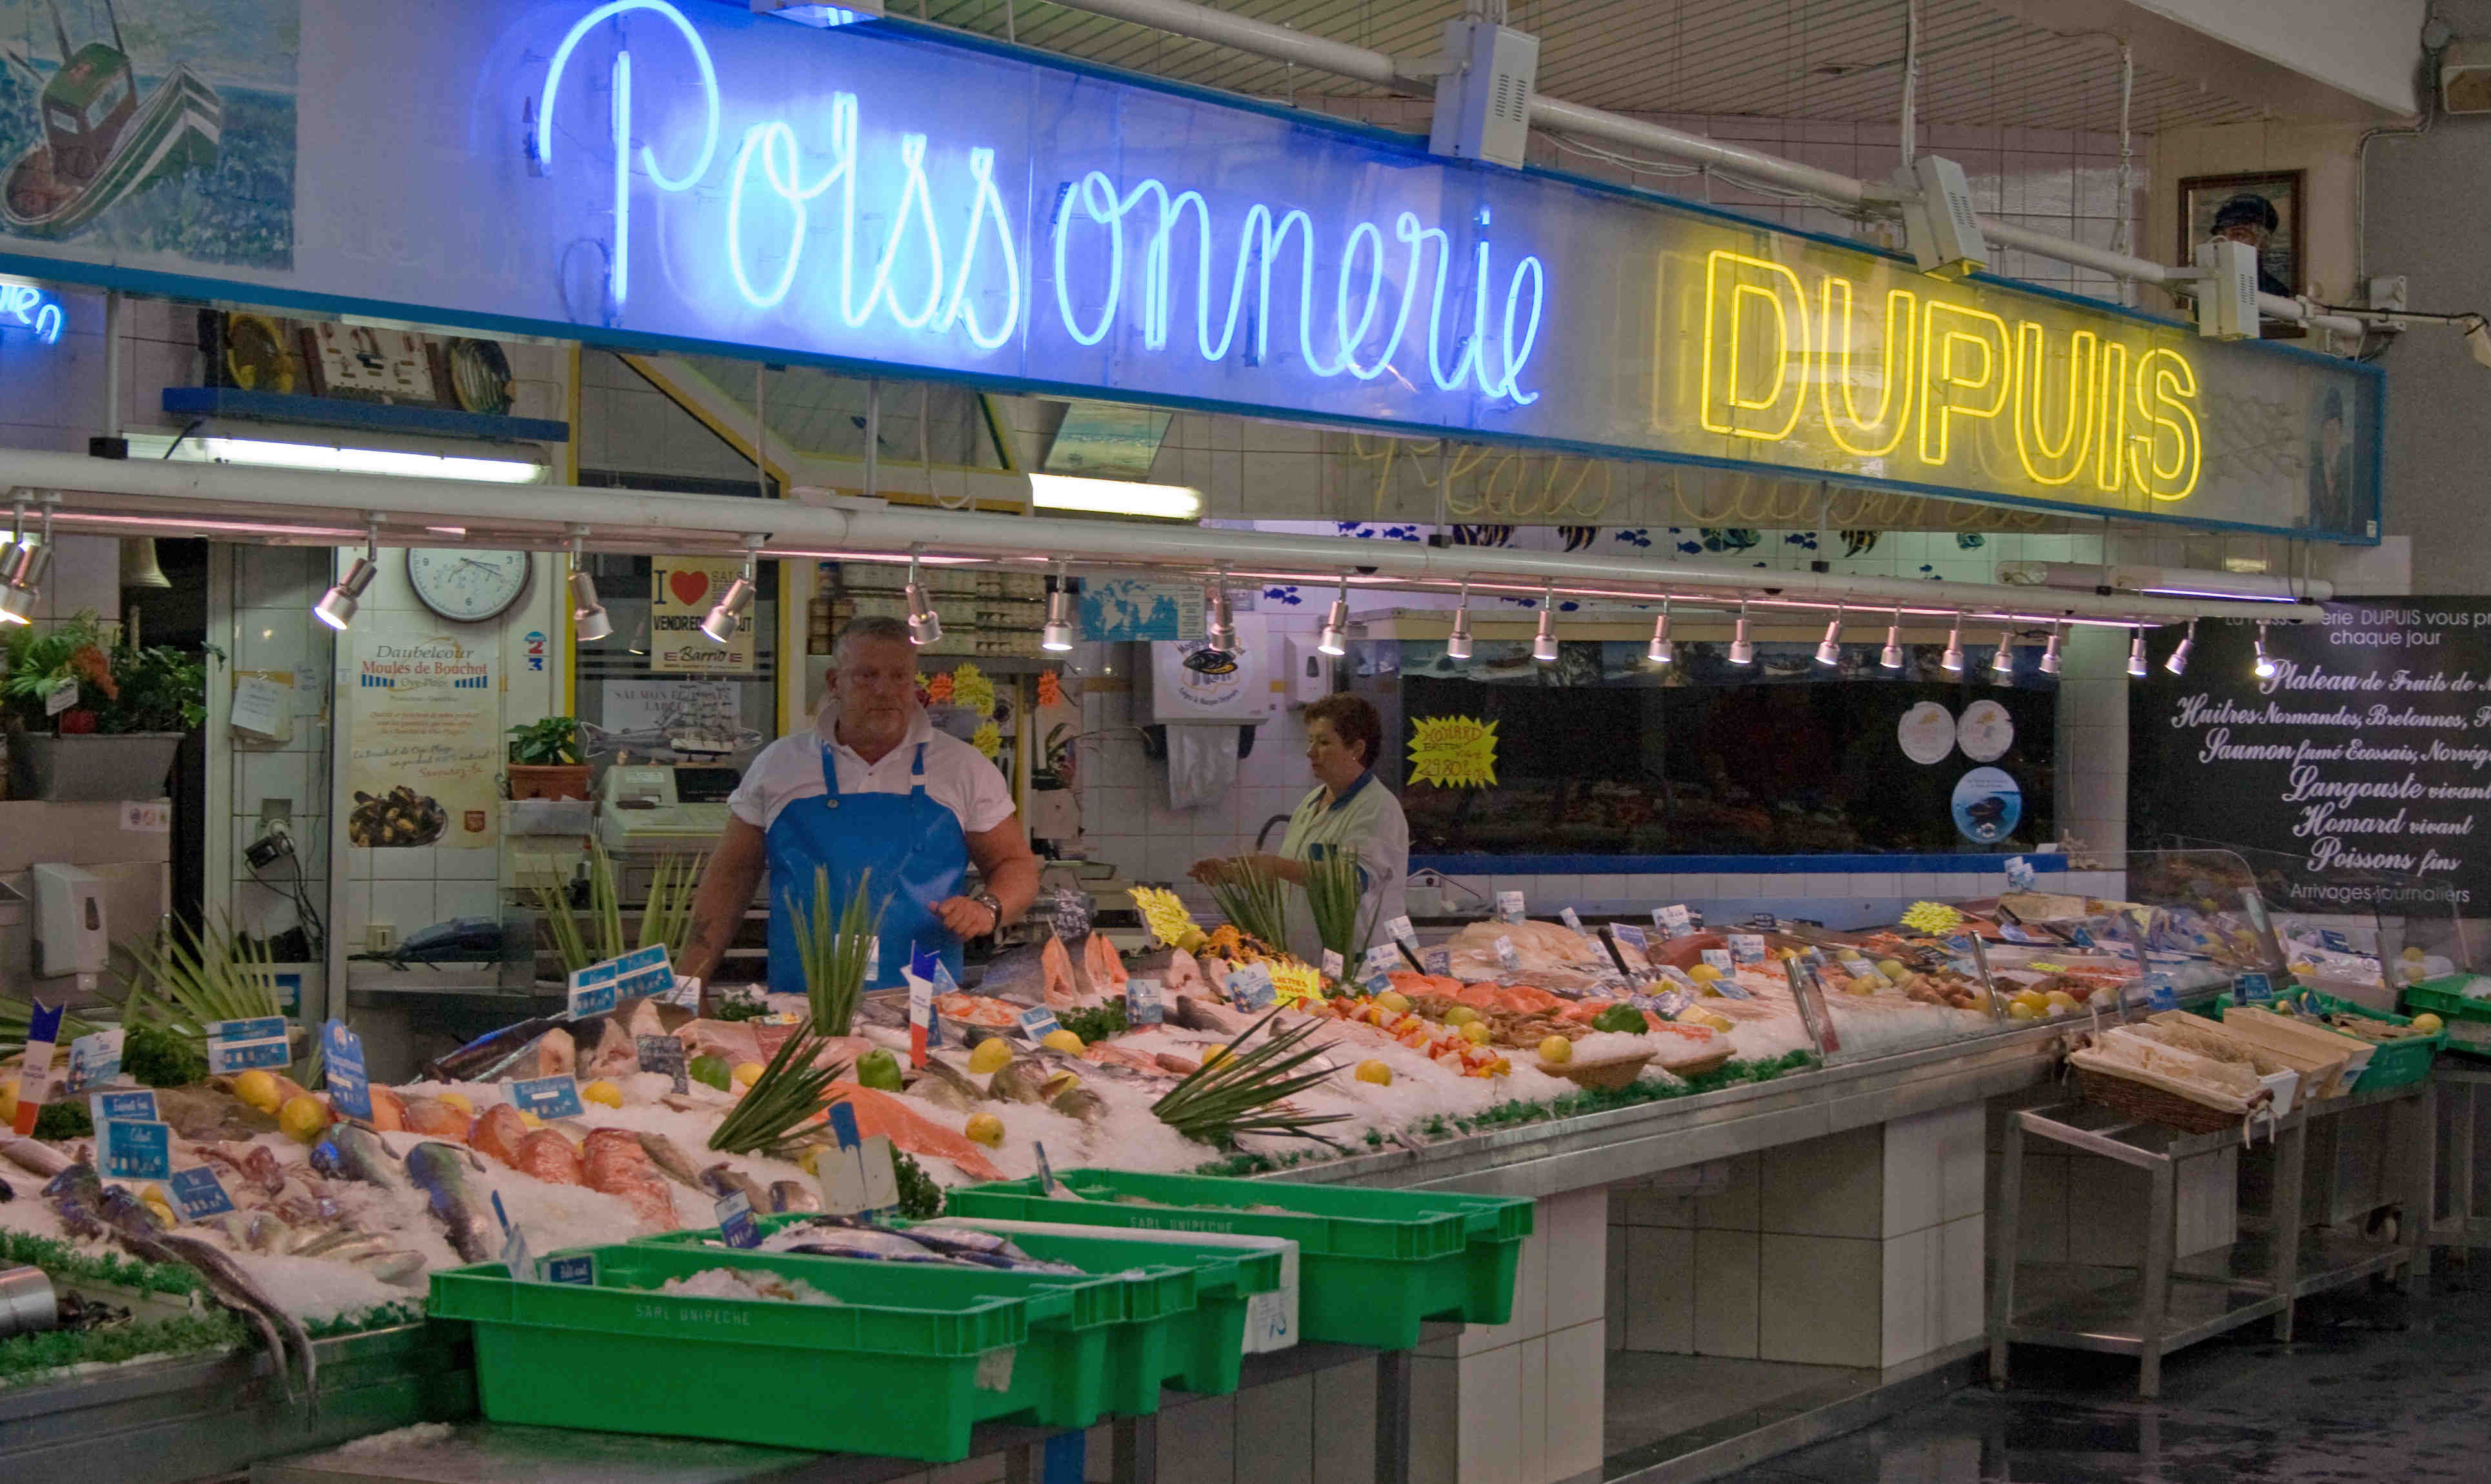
656, 806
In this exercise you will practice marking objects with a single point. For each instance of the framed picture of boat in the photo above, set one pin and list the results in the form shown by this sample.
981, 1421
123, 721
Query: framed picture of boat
113, 133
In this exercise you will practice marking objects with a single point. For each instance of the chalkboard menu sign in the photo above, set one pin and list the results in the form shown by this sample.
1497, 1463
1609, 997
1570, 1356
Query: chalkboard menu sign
2357, 774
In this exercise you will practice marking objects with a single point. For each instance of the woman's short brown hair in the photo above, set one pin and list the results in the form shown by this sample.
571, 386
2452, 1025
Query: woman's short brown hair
1353, 719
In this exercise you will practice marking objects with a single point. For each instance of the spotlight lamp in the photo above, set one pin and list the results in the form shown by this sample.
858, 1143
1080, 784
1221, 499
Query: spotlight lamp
726, 615
2178, 663
2137, 656
23, 564
1334, 639
2050, 650
1056, 638
337, 606
1743, 650
1829, 651
1543, 644
1891, 655
1661, 651
1952, 658
1457, 642
588, 618
2264, 668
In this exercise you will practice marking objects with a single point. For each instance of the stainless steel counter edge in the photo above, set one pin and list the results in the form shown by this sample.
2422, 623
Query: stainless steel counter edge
1623, 1144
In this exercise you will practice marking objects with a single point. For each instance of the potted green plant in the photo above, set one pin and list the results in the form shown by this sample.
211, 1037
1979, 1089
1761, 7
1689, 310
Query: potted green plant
546, 761
91, 718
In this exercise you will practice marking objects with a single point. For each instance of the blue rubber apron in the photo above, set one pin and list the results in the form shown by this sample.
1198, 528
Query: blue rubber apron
911, 843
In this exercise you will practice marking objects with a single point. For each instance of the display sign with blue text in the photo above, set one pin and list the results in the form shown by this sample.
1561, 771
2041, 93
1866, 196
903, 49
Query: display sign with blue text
887, 196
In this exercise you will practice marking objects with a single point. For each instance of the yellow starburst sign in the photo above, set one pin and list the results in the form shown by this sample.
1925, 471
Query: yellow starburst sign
1452, 752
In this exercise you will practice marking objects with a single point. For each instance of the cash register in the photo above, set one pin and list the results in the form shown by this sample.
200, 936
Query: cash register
660, 806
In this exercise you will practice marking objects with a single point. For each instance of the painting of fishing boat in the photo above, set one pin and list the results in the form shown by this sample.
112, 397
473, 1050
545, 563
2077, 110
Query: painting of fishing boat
100, 143
177, 138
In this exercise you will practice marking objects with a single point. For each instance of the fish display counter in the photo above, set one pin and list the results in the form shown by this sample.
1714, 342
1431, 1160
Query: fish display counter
276, 1213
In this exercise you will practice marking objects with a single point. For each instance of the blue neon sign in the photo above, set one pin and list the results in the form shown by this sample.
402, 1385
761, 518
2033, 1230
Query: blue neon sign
24, 307
893, 231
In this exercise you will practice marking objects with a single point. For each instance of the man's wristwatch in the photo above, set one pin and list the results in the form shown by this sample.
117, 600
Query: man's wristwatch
987, 901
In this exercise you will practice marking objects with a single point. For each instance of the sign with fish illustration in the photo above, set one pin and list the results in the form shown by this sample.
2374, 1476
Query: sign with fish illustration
887, 198
350, 1090
152, 130
198, 1193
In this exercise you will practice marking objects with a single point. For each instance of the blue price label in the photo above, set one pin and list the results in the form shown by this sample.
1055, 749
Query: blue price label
1037, 1023
580, 1270
239, 1046
547, 1097
94, 1060
2254, 989
1439, 962
2159, 994
350, 1091
644, 971
593, 990
137, 1151
735, 1221
1673, 920
1377, 985
1633, 935
1383, 958
843, 1126
1250, 987
198, 1193
124, 1107
2080, 938
1144, 1003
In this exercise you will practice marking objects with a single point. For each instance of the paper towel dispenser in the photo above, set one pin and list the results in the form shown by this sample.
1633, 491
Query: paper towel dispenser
70, 936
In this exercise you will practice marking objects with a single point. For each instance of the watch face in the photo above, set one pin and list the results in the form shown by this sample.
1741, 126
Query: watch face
465, 586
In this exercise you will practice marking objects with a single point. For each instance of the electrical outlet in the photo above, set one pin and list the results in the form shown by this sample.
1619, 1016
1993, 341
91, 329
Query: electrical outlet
275, 812
2388, 292
379, 937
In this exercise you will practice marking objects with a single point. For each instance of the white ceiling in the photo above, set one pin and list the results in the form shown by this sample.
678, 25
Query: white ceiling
1812, 59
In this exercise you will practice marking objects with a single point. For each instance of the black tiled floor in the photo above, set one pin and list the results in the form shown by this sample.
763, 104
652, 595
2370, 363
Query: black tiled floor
2375, 1390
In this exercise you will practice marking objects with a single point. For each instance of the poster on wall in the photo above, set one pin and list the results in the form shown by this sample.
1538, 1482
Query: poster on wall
424, 750
156, 130
2357, 775
681, 590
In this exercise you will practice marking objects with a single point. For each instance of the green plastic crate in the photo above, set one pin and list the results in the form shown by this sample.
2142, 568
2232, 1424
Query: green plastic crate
1185, 1320
2392, 1064
2468, 1021
903, 1366
1372, 1263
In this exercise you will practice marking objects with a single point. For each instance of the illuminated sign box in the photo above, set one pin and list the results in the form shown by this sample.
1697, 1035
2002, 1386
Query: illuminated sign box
879, 197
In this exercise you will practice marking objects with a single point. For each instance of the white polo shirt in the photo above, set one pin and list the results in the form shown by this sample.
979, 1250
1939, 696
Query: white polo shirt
958, 776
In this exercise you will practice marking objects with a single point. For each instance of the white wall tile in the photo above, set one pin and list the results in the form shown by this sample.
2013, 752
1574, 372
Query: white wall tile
1725, 1293
1530, 1413
1818, 1300
259, 775
405, 863
467, 898
1909, 1306
1824, 1187
1197, 1441
1490, 1420
1962, 1280
1575, 1225
1344, 1424
466, 864
1657, 1311
1577, 1373
1435, 1410
1275, 1428
405, 904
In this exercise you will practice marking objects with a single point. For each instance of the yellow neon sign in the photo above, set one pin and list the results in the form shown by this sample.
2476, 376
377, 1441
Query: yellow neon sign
1990, 394
1894, 405
1731, 396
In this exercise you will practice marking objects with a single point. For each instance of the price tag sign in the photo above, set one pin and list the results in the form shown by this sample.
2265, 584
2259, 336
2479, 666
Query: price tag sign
239, 1045
1145, 1003
1673, 920
1047, 1181
94, 1060
547, 1097
1250, 987
122, 1107
1631, 934
145, 817
665, 1056
687, 992
2159, 994
1746, 947
925, 1026
1508, 955
59, 698
1439, 962
1508, 906
1669, 1001
1399, 930
350, 1090
580, 1268
593, 990
857, 1174
1333, 966
198, 1193
1719, 958
735, 1221
1037, 1023
2080, 938
2334, 942
135, 1151
2254, 989
1382, 959
2020, 874
1571, 918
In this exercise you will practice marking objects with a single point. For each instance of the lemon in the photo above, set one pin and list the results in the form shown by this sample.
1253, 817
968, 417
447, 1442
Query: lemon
153, 1197
1890, 968
1375, 1072
984, 1128
531, 1119
1476, 1033
601, 1091
458, 1101
260, 1090
1703, 974
1556, 1050
747, 1073
2017, 1009
810, 1157
1191, 940
1062, 1040
303, 1118
9, 1103
1694, 1017
2428, 1023
991, 1055
2058, 1002
1460, 1015
1215, 1054
2412, 955
1393, 1000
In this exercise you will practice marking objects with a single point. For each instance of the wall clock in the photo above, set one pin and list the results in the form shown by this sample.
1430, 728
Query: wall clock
466, 586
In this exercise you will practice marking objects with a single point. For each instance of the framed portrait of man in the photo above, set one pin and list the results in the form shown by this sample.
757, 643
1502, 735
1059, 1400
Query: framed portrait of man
2262, 209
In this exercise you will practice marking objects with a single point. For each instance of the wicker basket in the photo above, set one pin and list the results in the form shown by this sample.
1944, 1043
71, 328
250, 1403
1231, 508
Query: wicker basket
2157, 1105
1697, 1067
1608, 1072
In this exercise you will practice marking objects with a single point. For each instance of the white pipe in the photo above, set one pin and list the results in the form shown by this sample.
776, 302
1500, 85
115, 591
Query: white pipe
1182, 17
2129, 577
193, 499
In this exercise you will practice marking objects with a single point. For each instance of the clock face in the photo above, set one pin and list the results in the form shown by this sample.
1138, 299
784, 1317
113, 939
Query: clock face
465, 586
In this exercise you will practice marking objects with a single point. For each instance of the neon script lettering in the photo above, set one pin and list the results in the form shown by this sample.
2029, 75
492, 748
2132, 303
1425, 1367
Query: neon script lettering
2120, 420
24, 307
919, 238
